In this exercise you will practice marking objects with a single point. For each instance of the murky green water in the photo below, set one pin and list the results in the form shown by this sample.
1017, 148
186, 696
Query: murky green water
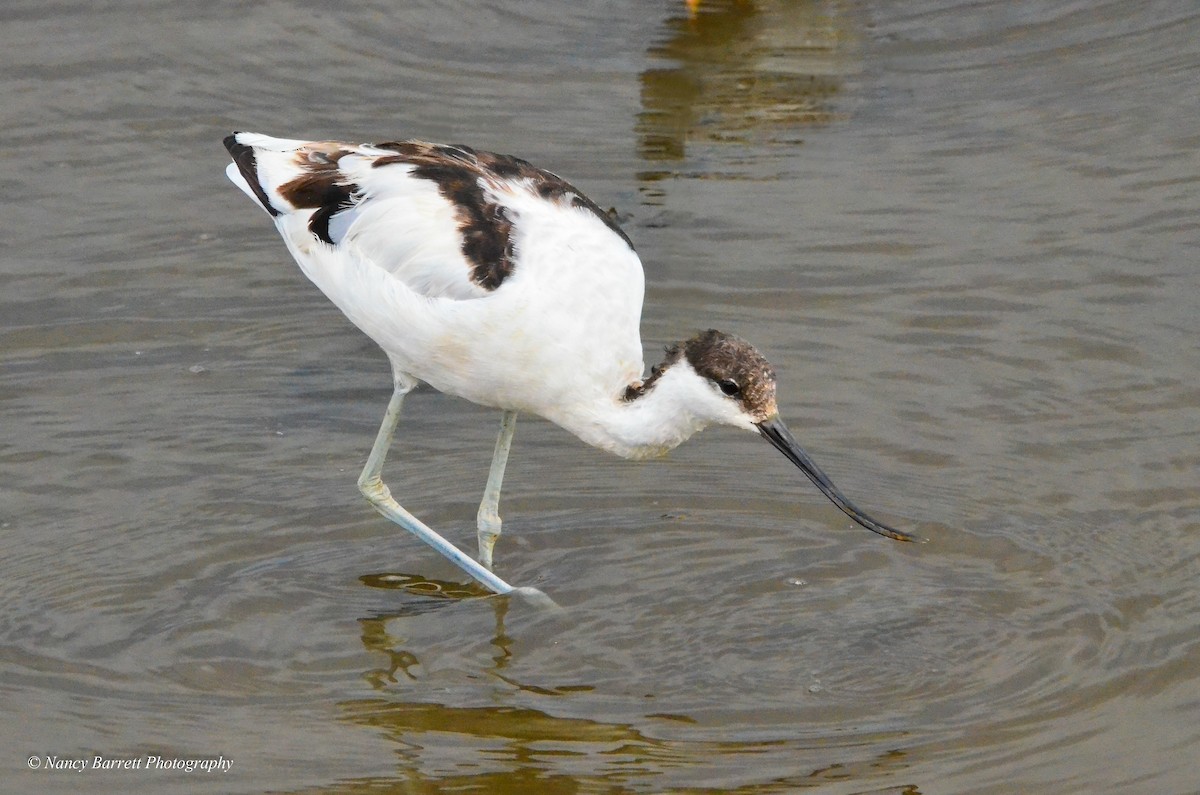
966, 234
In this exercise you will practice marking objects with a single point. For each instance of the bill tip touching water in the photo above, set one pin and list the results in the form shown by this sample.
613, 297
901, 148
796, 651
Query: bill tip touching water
499, 282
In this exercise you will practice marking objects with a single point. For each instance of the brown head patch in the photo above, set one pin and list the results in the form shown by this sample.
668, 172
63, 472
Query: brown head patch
731, 363
737, 368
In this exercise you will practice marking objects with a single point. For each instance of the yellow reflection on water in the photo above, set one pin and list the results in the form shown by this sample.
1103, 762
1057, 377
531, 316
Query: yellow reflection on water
513, 747
742, 71
508, 749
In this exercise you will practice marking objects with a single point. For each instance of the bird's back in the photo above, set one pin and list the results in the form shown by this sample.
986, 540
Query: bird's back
478, 273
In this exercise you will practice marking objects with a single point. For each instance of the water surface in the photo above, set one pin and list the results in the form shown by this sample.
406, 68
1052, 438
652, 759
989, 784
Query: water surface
965, 233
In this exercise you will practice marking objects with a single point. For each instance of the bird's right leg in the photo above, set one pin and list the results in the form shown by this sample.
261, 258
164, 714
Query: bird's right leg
373, 488
488, 518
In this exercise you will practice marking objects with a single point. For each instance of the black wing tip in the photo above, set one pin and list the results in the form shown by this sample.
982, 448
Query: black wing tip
243, 158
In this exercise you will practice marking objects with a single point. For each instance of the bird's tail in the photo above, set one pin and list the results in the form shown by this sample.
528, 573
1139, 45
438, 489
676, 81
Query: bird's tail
261, 164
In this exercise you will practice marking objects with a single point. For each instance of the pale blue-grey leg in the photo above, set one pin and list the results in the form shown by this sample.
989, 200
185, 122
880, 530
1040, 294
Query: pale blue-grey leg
488, 518
374, 489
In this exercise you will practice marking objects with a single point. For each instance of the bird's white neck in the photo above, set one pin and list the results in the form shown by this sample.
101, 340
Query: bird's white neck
676, 405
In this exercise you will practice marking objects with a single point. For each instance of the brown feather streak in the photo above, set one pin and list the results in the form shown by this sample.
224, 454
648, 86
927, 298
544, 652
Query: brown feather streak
320, 187
460, 173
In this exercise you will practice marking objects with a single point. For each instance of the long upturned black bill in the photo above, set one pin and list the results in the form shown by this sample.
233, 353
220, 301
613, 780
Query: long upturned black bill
775, 432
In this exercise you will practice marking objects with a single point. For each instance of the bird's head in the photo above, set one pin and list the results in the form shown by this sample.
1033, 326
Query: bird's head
736, 386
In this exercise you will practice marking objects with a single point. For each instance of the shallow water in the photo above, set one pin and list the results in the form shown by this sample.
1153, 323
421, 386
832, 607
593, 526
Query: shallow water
965, 233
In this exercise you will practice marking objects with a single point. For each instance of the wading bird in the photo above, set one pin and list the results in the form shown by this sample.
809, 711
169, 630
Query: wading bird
491, 279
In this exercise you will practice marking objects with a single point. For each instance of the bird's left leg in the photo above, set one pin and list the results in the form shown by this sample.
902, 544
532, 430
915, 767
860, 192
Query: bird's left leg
488, 519
371, 484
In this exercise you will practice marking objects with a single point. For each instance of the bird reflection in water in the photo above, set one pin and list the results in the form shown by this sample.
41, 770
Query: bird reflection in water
434, 595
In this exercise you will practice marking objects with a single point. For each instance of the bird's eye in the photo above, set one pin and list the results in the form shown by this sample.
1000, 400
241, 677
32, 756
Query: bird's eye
729, 387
